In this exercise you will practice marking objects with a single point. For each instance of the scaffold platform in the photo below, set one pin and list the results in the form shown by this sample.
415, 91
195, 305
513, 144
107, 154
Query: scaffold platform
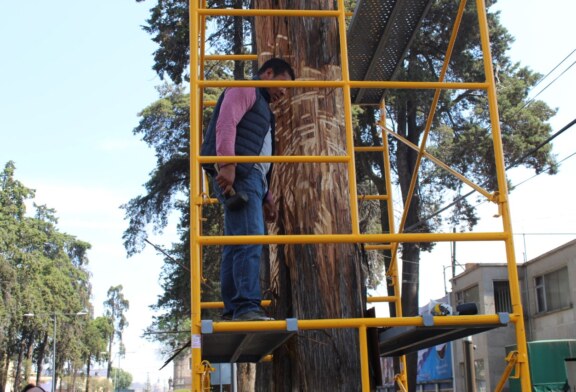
396, 341
242, 346
378, 37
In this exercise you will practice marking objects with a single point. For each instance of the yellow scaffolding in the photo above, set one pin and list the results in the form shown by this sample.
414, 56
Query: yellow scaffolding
390, 241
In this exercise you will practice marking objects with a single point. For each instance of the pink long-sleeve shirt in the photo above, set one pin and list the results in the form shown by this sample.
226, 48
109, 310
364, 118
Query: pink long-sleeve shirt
236, 103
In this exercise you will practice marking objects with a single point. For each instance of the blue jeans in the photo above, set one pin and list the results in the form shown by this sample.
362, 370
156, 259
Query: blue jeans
240, 268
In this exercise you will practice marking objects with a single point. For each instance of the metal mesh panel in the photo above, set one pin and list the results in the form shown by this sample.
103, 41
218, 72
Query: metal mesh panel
378, 37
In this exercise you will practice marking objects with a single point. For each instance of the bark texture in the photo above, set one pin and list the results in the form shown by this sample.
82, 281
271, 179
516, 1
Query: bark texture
406, 161
312, 281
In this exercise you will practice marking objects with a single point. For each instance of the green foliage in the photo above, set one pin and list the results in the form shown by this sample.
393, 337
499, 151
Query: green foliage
169, 27
115, 306
122, 379
461, 132
164, 126
42, 273
96, 337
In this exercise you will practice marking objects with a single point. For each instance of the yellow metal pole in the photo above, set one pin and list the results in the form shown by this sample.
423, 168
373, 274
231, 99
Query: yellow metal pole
373, 197
390, 205
281, 325
348, 118
269, 12
381, 299
393, 266
220, 57
503, 195
364, 366
204, 182
220, 305
349, 238
195, 261
275, 159
351, 167
432, 113
511, 359
369, 148
444, 166
352, 83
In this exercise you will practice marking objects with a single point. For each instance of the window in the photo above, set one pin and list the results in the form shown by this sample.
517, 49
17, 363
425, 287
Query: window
480, 373
502, 301
479, 369
471, 294
551, 290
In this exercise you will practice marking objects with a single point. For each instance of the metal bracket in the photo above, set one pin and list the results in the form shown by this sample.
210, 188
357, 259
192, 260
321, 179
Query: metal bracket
428, 319
292, 325
504, 318
207, 326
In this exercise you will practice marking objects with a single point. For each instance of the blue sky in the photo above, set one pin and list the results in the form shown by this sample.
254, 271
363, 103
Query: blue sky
542, 208
74, 75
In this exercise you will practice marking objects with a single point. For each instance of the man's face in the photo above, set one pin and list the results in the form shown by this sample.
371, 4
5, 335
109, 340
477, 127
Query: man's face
275, 92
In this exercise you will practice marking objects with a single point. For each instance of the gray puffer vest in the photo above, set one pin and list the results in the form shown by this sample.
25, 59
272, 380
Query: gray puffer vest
250, 133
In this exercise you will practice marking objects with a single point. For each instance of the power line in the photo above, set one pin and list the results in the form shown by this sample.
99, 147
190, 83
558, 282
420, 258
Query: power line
544, 78
159, 249
534, 176
511, 165
544, 171
548, 85
553, 69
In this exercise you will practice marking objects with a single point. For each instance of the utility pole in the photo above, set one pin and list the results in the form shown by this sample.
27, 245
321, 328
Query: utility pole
453, 243
469, 371
54, 316
54, 356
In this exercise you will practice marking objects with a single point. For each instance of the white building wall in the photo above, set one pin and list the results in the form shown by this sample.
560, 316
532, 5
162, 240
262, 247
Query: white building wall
558, 324
491, 346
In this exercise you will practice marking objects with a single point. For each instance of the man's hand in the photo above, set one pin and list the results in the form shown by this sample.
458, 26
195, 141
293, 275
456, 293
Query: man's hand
270, 210
225, 178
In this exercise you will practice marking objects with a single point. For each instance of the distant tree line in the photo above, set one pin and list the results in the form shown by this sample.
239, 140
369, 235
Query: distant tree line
44, 282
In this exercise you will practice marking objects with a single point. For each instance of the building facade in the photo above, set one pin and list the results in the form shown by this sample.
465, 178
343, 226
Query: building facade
548, 291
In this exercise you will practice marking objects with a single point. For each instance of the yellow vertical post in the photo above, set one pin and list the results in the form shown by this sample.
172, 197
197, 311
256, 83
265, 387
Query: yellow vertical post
363, 337
432, 113
503, 199
203, 184
195, 202
393, 272
348, 117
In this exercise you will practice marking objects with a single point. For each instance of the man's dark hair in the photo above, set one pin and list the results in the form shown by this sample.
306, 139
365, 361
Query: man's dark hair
33, 388
278, 66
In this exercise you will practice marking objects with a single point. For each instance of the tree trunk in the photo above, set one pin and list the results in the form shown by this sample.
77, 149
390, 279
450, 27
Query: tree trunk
109, 368
3, 371
246, 377
312, 281
88, 368
74, 377
18, 365
406, 160
40, 360
28, 360
238, 44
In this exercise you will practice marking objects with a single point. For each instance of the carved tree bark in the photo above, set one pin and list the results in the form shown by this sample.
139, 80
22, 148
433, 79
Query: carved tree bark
312, 281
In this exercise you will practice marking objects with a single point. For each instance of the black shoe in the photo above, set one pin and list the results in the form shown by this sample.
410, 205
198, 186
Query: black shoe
253, 315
